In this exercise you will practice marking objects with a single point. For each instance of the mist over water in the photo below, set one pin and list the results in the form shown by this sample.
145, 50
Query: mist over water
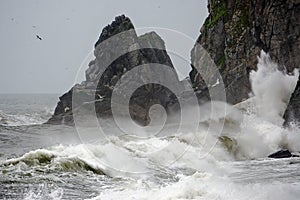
261, 130
224, 158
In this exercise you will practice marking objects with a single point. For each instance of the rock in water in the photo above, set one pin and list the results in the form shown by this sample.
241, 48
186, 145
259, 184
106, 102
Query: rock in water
292, 113
281, 154
236, 31
229, 143
114, 56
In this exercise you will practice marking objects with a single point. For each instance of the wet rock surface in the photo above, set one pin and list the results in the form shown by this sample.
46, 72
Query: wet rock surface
281, 154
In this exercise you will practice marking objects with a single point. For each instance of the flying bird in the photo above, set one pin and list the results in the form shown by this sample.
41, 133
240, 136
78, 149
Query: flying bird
38, 37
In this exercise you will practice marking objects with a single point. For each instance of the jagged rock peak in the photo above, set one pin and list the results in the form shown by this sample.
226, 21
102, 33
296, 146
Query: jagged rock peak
121, 23
112, 60
153, 39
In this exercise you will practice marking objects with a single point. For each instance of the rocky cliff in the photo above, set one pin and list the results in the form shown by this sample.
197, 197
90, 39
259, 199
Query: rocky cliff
292, 113
234, 33
114, 56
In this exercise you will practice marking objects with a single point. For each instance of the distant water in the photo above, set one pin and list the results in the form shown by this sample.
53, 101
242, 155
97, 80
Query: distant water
26, 109
56, 162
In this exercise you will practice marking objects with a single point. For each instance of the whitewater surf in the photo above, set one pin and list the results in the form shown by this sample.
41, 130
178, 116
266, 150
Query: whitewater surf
51, 162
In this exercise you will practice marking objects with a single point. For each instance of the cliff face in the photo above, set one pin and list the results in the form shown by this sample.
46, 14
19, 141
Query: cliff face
114, 56
235, 32
292, 113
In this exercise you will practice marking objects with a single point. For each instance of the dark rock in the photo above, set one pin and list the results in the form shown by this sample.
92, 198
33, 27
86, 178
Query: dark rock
114, 57
147, 95
63, 110
292, 113
281, 154
120, 24
236, 31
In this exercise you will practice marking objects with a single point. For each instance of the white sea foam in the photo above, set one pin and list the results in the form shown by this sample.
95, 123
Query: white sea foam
272, 88
261, 131
44, 192
257, 130
205, 186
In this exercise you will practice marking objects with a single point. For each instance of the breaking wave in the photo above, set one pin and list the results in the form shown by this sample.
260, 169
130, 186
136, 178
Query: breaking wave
56, 159
272, 88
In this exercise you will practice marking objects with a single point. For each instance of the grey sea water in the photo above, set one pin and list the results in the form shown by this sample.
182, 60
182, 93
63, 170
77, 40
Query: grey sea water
50, 162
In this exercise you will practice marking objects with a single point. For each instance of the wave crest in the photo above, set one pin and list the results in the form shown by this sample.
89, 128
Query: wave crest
52, 161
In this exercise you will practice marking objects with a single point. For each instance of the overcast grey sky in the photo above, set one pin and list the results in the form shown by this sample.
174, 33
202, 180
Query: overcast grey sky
69, 29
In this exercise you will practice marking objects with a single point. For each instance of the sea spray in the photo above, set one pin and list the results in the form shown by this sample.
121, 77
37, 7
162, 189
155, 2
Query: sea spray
272, 88
261, 130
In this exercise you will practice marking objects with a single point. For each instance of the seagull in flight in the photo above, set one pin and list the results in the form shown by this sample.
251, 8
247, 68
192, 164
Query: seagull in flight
38, 37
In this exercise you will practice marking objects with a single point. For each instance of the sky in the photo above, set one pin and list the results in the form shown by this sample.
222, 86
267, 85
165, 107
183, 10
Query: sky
69, 30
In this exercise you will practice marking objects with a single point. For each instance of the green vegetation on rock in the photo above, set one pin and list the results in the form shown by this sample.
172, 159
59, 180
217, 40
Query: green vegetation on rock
219, 12
221, 61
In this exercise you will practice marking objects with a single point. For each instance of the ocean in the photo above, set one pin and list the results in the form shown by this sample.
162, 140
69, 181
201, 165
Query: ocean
39, 161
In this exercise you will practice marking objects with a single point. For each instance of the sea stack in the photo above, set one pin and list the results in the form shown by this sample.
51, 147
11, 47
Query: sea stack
101, 79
